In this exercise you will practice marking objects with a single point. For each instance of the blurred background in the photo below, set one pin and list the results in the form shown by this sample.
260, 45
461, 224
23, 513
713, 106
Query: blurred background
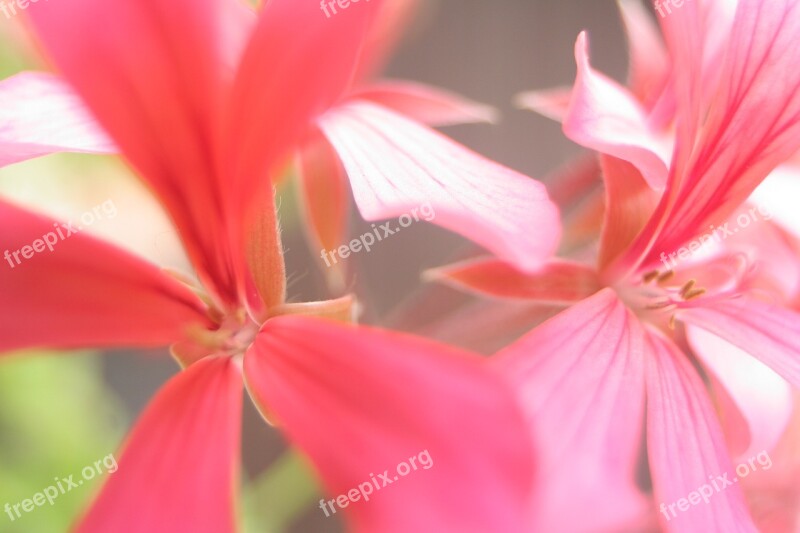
61, 412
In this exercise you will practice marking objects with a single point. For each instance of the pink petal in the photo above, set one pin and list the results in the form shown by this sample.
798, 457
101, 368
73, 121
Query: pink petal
361, 401
768, 332
41, 115
396, 165
629, 205
156, 82
84, 292
179, 467
762, 396
753, 126
649, 63
425, 104
687, 450
605, 117
556, 281
580, 378
550, 103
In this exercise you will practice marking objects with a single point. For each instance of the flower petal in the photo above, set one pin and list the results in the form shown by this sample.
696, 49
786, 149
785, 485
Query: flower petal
361, 401
629, 204
324, 196
286, 78
179, 467
762, 396
42, 115
425, 104
580, 378
649, 63
395, 165
768, 332
556, 281
605, 117
687, 449
752, 127
83, 292
156, 82
550, 103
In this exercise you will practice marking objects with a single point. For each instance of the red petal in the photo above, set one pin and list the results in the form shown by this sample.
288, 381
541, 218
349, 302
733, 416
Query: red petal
580, 377
41, 115
179, 467
425, 104
156, 80
396, 165
557, 281
687, 450
84, 292
362, 401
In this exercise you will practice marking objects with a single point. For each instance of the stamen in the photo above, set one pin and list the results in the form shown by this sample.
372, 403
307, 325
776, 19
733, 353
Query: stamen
650, 276
691, 295
688, 288
666, 276
659, 305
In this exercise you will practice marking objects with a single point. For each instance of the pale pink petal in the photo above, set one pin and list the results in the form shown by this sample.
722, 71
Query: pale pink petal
762, 396
359, 402
605, 117
396, 165
41, 114
555, 282
179, 467
648, 61
580, 378
550, 103
768, 332
778, 195
687, 449
426, 104
73, 290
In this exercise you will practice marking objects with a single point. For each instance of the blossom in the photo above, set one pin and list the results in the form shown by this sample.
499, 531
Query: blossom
205, 101
620, 362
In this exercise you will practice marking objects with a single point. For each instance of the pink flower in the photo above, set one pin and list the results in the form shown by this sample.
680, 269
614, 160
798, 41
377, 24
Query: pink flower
650, 321
205, 100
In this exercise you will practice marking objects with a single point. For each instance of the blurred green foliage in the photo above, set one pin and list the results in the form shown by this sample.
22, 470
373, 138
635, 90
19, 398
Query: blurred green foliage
56, 417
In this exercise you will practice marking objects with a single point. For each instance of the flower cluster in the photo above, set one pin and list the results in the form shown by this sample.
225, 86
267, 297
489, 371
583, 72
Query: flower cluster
649, 379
